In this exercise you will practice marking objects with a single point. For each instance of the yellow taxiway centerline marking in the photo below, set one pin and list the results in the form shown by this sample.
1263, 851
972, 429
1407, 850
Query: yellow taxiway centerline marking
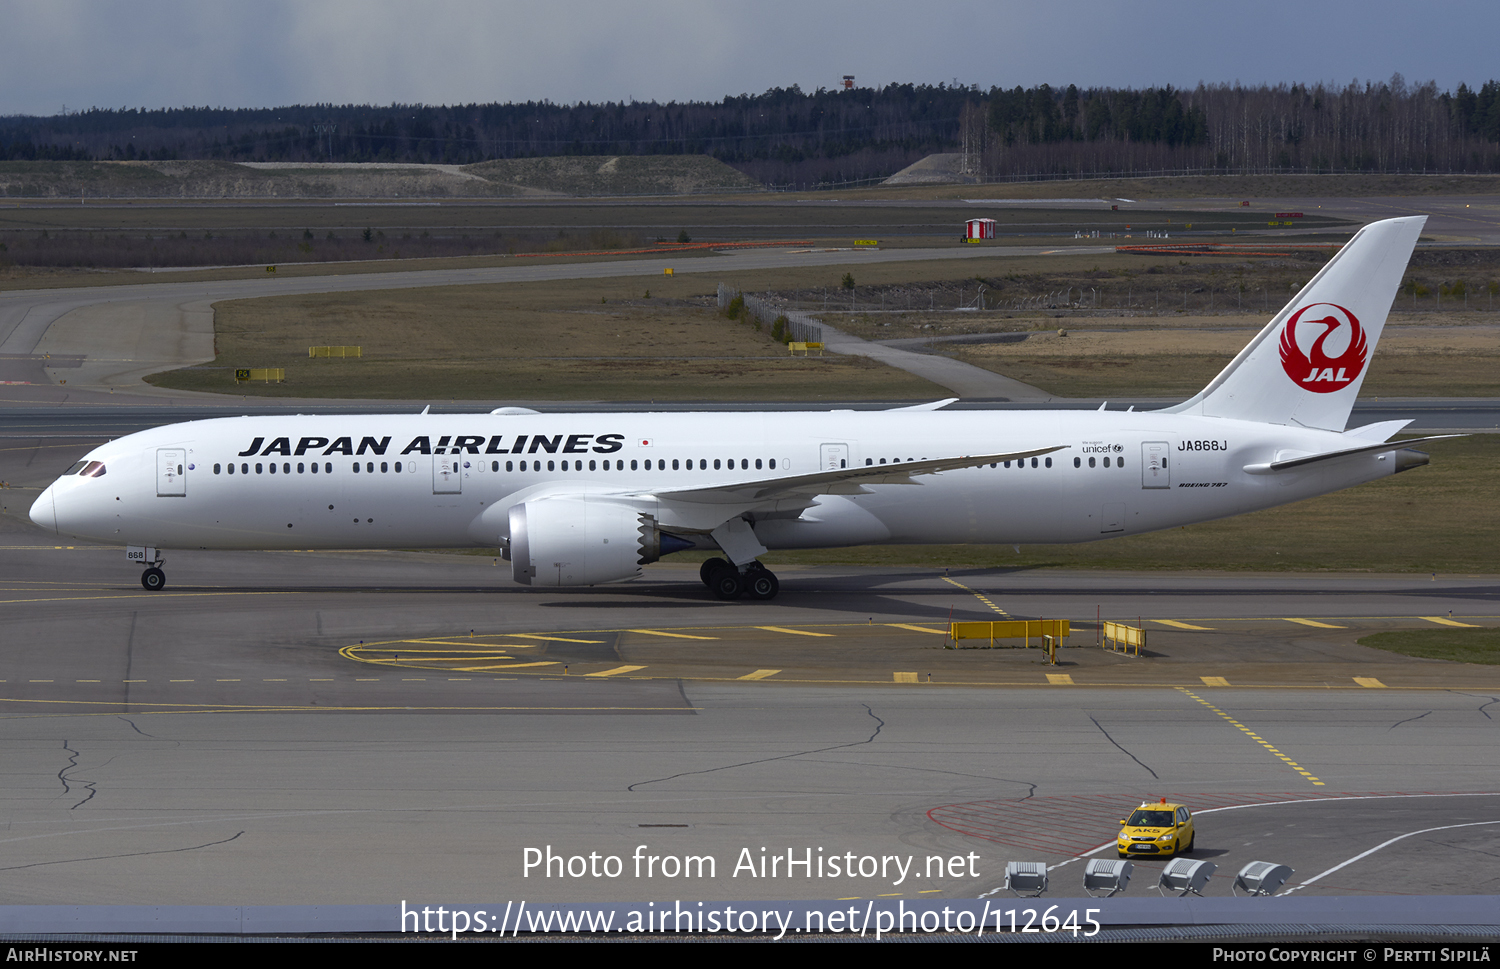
550, 639
978, 595
504, 666
1370, 682
1183, 625
658, 632
917, 629
1314, 622
1246, 730
794, 632
759, 674
466, 643
1060, 679
1448, 622
1214, 681
616, 671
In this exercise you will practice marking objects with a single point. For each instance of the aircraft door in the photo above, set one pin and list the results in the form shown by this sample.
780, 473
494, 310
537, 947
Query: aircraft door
171, 472
835, 457
1155, 471
447, 474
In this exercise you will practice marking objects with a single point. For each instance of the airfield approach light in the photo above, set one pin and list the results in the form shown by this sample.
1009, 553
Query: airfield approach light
1185, 875
1109, 877
1027, 879
1261, 878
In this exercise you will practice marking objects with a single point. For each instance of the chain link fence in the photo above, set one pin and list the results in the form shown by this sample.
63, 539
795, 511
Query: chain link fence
800, 327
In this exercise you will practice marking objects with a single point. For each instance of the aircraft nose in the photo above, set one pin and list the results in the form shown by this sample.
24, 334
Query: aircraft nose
44, 511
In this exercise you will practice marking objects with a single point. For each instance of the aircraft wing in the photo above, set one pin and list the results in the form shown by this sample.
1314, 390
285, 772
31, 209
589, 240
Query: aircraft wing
839, 481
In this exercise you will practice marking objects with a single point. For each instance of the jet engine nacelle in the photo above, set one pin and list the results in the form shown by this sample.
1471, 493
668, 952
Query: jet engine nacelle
583, 541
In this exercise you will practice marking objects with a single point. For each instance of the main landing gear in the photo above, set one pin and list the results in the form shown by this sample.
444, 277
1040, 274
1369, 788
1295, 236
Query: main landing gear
727, 582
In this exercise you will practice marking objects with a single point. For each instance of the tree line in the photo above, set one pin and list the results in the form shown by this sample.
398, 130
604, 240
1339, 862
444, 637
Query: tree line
788, 136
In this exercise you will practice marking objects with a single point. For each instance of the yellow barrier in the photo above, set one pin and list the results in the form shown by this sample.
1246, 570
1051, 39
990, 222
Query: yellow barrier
1124, 638
267, 374
667, 271
1023, 629
335, 351
804, 348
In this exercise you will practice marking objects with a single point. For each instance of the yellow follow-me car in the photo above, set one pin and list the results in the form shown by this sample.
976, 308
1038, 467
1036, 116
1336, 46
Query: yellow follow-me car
1156, 828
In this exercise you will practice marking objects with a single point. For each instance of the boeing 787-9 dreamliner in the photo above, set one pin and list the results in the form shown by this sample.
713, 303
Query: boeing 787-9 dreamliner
589, 498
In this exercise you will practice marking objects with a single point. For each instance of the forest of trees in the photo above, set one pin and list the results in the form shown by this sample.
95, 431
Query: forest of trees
788, 136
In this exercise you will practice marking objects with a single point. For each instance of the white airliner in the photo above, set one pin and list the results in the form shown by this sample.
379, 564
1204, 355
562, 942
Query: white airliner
583, 499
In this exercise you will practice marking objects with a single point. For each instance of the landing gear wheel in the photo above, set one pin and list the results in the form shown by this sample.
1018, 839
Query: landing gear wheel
153, 579
761, 584
706, 570
727, 583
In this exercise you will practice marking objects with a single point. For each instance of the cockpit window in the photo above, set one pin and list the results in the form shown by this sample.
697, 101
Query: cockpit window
94, 469
75, 468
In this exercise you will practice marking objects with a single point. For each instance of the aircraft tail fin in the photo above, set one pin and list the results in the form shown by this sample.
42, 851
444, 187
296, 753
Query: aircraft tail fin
1307, 365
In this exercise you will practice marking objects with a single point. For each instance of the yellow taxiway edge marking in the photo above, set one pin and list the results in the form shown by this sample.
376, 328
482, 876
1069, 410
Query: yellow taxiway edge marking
1314, 622
658, 632
1214, 681
1370, 682
904, 677
1060, 679
1183, 625
226, 681
759, 674
918, 629
1448, 622
85, 681
550, 639
1246, 730
794, 632
616, 671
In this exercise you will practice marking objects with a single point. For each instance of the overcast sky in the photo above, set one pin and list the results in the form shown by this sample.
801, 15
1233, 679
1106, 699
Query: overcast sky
264, 53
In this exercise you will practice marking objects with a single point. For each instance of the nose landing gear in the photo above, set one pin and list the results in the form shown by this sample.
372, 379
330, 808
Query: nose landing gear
153, 579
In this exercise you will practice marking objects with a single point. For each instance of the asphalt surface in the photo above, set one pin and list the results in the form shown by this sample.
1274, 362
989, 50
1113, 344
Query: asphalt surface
200, 745
255, 735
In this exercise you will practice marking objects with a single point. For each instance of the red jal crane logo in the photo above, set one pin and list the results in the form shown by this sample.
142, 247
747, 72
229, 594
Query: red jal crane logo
1316, 370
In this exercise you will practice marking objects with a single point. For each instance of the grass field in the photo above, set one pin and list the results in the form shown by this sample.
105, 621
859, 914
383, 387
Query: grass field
1454, 645
1449, 357
583, 340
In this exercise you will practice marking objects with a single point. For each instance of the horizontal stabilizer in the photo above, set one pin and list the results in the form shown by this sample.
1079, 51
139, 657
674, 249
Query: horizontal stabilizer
1272, 467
